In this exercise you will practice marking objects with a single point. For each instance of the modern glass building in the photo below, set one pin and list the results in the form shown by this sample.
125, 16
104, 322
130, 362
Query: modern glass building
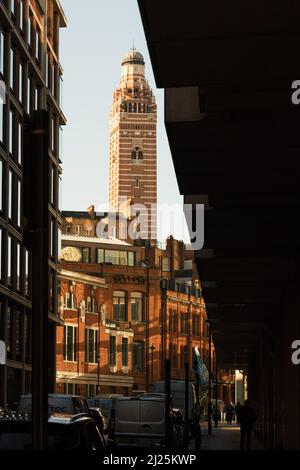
30, 75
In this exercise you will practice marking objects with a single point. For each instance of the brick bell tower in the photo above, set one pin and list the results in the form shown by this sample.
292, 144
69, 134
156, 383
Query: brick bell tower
133, 153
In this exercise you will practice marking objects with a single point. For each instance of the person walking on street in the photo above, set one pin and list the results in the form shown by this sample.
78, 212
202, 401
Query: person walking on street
229, 413
223, 412
247, 417
237, 412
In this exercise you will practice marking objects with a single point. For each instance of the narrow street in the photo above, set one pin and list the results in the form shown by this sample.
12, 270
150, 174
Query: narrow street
225, 437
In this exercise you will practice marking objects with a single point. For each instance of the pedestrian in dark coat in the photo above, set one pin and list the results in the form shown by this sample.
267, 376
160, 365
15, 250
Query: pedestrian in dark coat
247, 420
229, 413
237, 412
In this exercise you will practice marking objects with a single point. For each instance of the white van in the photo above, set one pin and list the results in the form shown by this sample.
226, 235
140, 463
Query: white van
178, 396
57, 403
107, 403
140, 421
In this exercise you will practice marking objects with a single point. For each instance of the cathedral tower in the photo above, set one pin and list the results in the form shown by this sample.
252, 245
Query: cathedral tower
133, 162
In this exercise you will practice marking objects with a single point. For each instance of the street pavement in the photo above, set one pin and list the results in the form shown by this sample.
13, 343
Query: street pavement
224, 437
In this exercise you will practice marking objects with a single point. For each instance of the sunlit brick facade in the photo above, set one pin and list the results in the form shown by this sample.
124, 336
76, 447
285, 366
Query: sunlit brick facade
164, 279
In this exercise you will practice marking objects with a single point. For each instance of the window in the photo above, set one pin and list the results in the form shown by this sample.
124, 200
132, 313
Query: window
19, 203
28, 95
27, 336
53, 79
119, 301
183, 356
52, 184
124, 352
37, 45
116, 257
100, 255
13, 7
173, 354
70, 339
52, 235
9, 332
166, 264
130, 258
21, 15
122, 258
90, 390
136, 301
138, 356
183, 323
70, 301
10, 194
91, 305
137, 183
137, 154
36, 98
9, 260
61, 90
1, 118
53, 134
91, 342
1, 252
198, 326
173, 320
26, 272
18, 266
11, 131
1, 53
12, 68
78, 229
85, 255
112, 351
1, 185
68, 229
20, 143
29, 38
21, 83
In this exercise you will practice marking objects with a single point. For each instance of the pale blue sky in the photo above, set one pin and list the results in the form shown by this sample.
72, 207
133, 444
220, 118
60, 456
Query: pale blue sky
99, 34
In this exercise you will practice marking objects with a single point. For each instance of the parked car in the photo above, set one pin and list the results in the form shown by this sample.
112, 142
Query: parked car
140, 422
57, 403
100, 419
65, 432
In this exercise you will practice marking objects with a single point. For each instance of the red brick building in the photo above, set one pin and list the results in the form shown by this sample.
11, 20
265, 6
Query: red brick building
147, 298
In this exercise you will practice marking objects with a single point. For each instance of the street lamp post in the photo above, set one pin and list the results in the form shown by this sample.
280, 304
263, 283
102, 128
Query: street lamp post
148, 266
209, 382
216, 397
98, 374
152, 349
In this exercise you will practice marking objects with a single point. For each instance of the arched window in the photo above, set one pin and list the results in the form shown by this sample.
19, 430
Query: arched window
144, 107
91, 305
136, 302
70, 301
140, 108
130, 108
134, 108
137, 154
125, 107
119, 301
